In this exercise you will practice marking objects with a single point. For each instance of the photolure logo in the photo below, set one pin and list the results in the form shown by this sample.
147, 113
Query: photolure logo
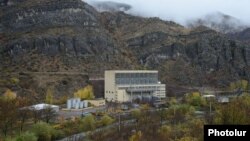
213, 132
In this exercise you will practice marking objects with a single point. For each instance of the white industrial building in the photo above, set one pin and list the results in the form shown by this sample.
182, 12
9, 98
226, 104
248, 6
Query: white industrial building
128, 85
44, 106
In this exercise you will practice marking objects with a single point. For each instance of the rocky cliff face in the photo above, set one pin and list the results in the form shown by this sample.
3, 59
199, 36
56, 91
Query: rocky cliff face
243, 36
71, 36
189, 56
56, 36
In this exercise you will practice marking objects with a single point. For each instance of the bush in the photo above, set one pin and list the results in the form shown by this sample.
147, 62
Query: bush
45, 132
27, 136
105, 120
195, 99
88, 123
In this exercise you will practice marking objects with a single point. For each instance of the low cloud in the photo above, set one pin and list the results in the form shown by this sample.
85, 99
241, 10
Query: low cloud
182, 11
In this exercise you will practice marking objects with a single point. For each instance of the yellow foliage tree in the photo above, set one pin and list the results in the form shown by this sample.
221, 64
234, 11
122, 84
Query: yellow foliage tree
232, 86
85, 93
136, 137
106, 120
242, 84
166, 132
49, 96
236, 112
9, 95
195, 99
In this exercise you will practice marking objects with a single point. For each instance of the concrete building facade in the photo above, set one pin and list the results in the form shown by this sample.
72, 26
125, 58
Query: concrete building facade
128, 85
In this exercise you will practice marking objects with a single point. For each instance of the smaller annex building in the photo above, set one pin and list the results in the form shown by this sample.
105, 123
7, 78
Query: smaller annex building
44, 106
97, 102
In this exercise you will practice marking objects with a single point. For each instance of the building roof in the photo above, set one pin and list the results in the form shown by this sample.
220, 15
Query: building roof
43, 106
209, 95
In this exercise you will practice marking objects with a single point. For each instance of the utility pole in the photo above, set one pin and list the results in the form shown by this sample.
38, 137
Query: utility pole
119, 122
174, 125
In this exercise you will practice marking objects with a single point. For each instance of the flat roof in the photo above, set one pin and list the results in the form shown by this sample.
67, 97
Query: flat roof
132, 71
43, 106
209, 95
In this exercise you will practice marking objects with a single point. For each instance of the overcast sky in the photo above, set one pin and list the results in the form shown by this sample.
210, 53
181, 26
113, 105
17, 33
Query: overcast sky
183, 10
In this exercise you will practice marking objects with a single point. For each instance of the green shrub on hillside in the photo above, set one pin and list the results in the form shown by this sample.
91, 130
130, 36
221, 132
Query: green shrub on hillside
27, 136
45, 132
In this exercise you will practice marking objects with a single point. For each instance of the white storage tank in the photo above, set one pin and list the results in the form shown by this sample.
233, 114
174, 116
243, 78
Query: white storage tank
77, 105
78, 100
73, 102
81, 105
69, 104
86, 104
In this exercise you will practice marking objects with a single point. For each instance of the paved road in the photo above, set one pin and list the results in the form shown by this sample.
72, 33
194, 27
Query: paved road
76, 113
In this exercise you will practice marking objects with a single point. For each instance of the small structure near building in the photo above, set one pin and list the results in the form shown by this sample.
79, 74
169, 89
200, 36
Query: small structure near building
97, 102
223, 99
76, 103
44, 106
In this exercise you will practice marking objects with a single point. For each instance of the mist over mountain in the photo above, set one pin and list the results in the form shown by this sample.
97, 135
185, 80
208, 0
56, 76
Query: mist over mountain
219, 22
110, 6
221, 15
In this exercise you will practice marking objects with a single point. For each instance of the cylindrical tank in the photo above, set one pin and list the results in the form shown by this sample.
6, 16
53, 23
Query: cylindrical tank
78, 100
69, 104
85, 103
77, 105
73, 102
81, 105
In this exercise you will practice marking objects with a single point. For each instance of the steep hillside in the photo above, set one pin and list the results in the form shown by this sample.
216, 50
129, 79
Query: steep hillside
67, 39
243, 36
56, 36
192, 57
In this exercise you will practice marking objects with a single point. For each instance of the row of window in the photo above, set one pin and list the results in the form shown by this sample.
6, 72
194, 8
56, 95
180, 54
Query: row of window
110, 92
136, 80
136, 75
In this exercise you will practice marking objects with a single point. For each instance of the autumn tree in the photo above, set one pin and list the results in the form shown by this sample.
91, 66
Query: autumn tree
179, 113
165, 132
8, 114
88, 123
235, 112
49, 96
105, 120
195, 99
9, 95
136, 136
85, 93
36, 115
240, 84
48, 114
136, 114
24, 113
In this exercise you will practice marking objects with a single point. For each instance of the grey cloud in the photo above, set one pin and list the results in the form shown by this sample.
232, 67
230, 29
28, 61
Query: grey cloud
182, 11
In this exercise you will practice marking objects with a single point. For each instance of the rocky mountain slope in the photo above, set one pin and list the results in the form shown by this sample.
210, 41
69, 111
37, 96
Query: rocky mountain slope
243, 36
63, 38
